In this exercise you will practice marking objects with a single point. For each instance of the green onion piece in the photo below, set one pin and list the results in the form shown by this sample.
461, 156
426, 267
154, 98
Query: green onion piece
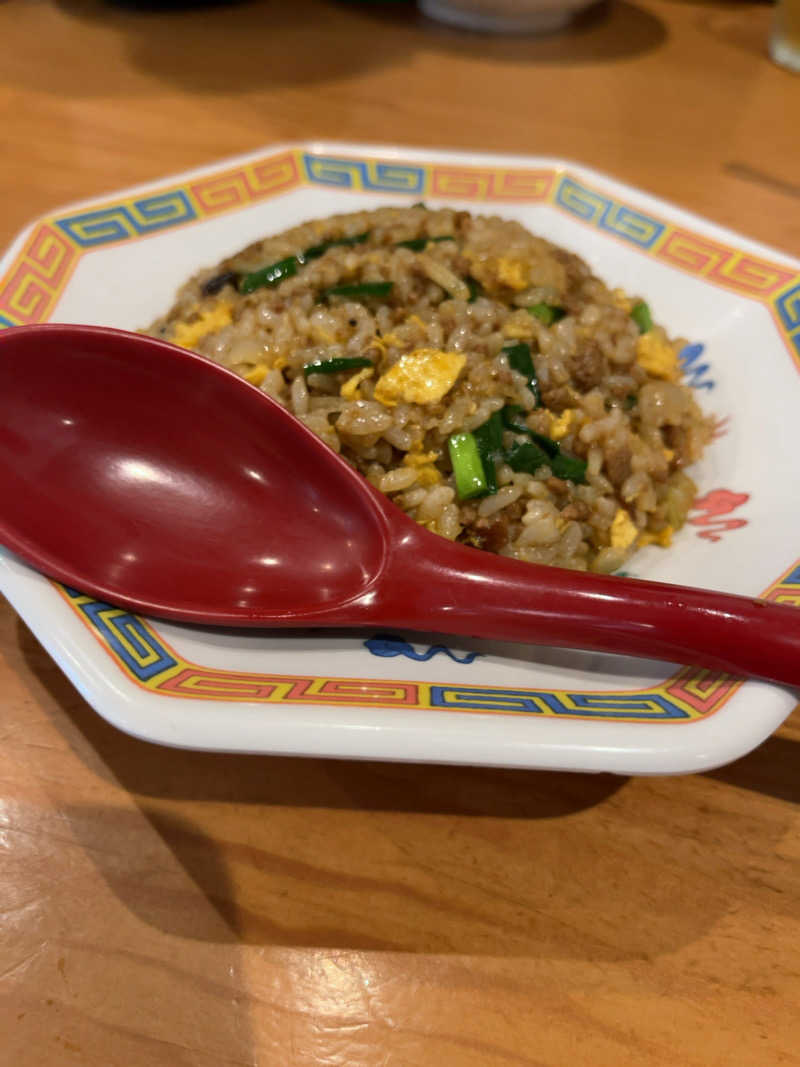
359, 289
515, 427
489, 435
509, 414
570, 468
417, 244
520, 359
527, 457
543, 451
630, 401
468, 467
547, 313
333, 366
318, 250
547, 444
640, 313
475, 290
489, 438
271, 275
422, 204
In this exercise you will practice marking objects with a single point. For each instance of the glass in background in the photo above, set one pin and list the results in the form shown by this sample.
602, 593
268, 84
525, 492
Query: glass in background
784, 42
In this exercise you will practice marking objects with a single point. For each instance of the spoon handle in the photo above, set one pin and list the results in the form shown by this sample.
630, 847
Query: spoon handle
453, 589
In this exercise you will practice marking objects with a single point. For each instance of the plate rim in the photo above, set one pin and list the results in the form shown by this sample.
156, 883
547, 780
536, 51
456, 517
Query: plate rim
632, 762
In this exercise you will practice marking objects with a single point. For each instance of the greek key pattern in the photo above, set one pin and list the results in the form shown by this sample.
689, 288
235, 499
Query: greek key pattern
787, 589
364, 175
129, 218
775, 285
726, 266
601, 211
35, 280
243, 185
30, 289
481, 183
787, 308
144, 657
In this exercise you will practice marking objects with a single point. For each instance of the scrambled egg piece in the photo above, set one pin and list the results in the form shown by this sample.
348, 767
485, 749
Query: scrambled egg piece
427, 473
322, 336
349, 389
428, 476
621, 300
498, 272
257, 374
280, 362
420, 377
560, 425
657, 357
518, 331
187, 334
390, 339
663, 538
515, 273
623, 530
419, 459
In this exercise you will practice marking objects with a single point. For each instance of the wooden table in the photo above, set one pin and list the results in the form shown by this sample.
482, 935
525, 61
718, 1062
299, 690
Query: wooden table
164, 907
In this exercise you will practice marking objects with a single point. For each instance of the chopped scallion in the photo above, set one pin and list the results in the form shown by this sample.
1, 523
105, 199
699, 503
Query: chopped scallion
526, 456
630, 401
509, 415
274, 273
570, 468
519, 358
359, 289
547, 444
318, 250
468, 468
475, 290
489, 438
544, 451
547, 313
640, 313
489, 435
333, 366
417, 244
271, 275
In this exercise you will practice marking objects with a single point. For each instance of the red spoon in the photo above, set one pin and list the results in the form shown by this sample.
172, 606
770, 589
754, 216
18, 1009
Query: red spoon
150, 477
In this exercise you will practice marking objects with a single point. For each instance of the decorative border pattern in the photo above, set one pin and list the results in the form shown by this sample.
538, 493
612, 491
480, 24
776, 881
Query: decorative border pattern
150, 663
39, 274
35, 280
128, 218
787, 588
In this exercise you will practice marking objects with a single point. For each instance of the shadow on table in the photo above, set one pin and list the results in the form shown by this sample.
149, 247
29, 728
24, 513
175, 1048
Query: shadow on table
414, 858
773, 770
244, 47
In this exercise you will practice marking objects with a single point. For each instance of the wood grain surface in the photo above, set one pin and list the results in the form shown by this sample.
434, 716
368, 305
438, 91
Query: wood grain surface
164, 907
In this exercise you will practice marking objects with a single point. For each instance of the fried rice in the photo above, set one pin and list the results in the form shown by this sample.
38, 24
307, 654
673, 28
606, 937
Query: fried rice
480, 376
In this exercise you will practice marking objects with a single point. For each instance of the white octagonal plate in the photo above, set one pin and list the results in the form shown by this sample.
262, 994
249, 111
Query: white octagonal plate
118, 261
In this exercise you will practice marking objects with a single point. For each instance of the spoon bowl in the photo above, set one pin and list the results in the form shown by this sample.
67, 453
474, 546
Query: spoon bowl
143, 473
152, 478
